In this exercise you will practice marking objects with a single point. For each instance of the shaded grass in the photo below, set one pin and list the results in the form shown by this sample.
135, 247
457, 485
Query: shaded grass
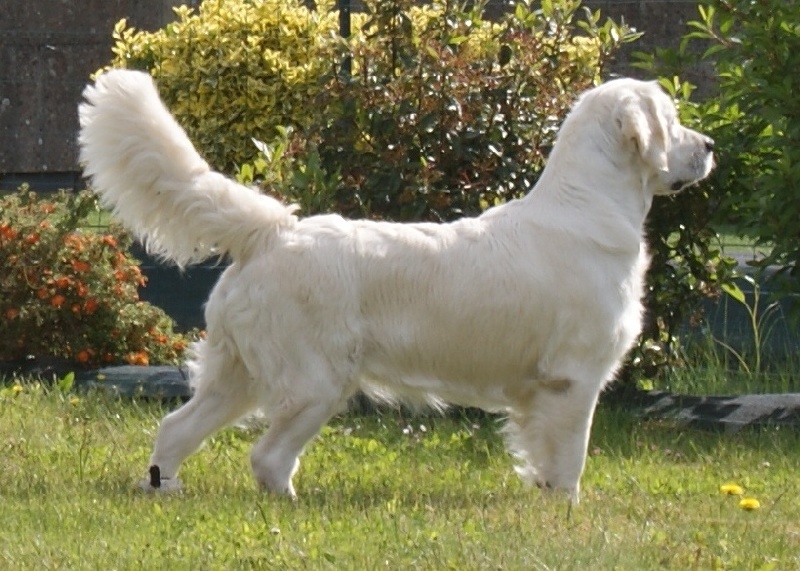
731, 381
711, 368
384, 492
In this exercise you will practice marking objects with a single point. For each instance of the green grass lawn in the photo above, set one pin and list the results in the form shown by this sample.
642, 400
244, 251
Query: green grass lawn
373, 495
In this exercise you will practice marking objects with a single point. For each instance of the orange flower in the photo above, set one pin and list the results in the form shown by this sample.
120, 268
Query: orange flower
138, 358
74, 241
63, 282
80, 289
80, 266
42, 293
90, 306
47, 208
83, 356
12, 313
32, 239
7, 232
120, 275
136, 276
119, 260
109, 241
57, 300
76, 309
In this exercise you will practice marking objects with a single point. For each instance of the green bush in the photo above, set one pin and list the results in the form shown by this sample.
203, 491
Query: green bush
73, 294
235, 69
754, 116
445, 113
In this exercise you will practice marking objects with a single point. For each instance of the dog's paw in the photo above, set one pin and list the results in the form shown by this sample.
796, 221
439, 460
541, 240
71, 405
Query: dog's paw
156, 484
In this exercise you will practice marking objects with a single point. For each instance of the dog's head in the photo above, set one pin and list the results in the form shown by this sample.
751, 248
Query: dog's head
647, 124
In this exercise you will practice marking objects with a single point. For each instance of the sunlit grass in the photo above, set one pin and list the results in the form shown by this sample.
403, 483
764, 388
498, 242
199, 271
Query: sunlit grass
386, 491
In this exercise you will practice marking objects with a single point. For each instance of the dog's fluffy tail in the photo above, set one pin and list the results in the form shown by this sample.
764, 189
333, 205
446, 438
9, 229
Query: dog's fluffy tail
144, 167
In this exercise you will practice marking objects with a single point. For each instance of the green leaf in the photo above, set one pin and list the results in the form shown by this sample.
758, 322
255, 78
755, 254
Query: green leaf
734, 291
66, 383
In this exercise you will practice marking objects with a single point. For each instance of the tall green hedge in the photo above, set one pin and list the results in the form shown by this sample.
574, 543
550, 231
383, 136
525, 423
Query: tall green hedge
445, 112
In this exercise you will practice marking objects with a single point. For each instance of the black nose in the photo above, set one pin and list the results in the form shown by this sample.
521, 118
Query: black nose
709, 144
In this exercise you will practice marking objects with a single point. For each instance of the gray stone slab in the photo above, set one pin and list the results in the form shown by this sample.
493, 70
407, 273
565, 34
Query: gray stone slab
159, 382
728, 413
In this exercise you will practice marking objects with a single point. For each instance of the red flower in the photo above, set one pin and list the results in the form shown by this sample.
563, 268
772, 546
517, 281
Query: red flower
74, 241
80, 266
90, 306
7, 232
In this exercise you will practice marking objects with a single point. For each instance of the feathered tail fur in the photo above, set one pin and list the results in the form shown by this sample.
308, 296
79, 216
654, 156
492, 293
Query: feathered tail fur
144, 167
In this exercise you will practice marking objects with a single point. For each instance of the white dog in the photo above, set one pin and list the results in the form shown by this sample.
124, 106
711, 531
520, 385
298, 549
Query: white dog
527, 309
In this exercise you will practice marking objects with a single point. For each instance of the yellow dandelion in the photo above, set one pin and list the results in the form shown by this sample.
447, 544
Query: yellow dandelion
731, 490
749, 504
74, 400
17, 388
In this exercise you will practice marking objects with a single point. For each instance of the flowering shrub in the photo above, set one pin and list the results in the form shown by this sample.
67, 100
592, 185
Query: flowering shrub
72, 293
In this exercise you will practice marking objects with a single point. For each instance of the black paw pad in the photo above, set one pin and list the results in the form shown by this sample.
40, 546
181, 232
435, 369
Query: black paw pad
155, 476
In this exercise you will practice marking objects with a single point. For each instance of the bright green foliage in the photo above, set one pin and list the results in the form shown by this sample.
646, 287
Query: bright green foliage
235, 69
73, 294
755, 119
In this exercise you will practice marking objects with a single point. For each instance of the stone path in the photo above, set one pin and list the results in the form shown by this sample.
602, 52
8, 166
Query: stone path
715, 412
726, 413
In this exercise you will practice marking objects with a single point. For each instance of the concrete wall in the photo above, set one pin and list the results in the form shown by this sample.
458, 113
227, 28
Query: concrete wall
49, 48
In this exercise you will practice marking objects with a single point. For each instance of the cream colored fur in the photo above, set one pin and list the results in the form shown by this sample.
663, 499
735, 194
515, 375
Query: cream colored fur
527, 309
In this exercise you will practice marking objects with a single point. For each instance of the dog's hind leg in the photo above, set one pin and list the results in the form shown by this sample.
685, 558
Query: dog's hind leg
217, 402
294, 422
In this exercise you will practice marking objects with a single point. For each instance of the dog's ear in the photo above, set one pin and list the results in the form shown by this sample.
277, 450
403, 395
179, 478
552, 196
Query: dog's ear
640, 122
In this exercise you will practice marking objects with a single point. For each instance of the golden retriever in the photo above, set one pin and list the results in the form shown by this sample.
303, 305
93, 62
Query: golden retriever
527, 309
